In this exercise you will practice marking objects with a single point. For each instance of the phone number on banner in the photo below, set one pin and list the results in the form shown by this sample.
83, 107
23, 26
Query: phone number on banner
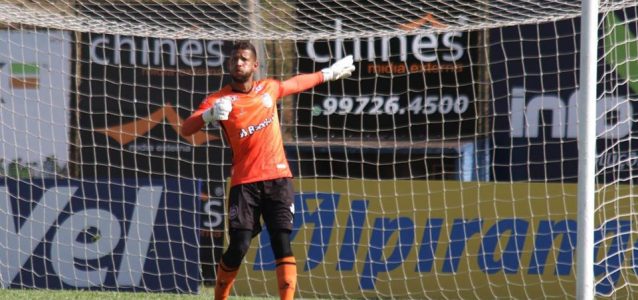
390, 105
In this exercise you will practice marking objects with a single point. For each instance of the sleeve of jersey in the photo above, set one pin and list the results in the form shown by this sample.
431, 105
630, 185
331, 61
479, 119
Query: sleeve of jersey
195, 122
300, 83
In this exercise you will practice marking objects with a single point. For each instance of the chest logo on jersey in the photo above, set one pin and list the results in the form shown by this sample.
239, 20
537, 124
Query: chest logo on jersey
266, 100
252, 129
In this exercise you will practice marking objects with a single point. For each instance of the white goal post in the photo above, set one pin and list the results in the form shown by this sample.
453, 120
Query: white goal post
481, 149
587, 150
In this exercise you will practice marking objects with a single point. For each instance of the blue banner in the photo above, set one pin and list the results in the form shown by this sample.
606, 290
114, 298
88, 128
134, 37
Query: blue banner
535, 73
123, 235
391, 237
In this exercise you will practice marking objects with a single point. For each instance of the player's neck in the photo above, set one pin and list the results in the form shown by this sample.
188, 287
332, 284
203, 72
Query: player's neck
242, 87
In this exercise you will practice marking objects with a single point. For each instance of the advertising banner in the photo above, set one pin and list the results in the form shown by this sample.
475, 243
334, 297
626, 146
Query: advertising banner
120, 235
535, 75
443, 239
406, 87
134, 94
35, 86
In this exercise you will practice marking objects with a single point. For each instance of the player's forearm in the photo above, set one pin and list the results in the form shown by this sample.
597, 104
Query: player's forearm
301, 83
193, 124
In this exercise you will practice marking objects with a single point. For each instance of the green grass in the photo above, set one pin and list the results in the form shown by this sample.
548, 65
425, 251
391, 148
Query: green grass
14, 294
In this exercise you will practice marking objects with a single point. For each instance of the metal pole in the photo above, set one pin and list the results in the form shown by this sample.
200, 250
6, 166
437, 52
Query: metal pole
255, 27
585, 288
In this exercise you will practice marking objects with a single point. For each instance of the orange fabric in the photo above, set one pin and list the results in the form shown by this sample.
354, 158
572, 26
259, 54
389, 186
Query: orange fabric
252, 129
300, 83
291, 86
193, 124
224, 281
286, 277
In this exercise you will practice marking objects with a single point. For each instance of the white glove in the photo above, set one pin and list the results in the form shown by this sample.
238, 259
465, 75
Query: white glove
219, 111
339, 70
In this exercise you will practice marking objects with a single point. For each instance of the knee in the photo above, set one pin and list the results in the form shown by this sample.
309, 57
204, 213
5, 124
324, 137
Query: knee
239, 246
237, 249
280, 242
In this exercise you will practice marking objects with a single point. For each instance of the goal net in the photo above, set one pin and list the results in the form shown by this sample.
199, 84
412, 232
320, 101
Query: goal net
445, 167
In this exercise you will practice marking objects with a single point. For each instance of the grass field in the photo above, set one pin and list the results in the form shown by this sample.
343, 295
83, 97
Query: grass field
205, 293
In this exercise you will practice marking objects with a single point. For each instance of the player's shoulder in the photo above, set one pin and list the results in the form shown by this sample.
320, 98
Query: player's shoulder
267, 83
224, 91
270, 81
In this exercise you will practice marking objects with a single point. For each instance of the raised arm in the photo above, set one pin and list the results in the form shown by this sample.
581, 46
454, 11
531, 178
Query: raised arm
300, 83
193, 123
343, 68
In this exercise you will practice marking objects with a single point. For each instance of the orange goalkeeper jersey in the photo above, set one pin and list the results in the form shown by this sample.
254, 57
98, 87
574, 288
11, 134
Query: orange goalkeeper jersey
253, 128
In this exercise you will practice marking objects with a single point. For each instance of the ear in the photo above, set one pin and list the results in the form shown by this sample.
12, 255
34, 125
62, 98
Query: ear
256, 65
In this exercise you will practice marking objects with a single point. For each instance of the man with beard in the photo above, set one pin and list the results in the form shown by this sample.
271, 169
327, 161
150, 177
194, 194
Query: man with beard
261, 180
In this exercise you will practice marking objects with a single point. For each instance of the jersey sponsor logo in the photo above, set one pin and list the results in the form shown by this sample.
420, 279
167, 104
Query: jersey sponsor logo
250, 130
266, 99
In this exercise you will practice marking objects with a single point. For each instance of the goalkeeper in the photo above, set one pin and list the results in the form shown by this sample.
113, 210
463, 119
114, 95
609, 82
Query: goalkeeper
261, 180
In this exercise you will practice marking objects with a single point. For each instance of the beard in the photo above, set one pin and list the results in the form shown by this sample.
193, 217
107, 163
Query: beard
241, 78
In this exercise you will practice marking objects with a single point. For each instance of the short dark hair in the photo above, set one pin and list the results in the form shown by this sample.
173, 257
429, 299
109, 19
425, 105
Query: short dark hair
244, 45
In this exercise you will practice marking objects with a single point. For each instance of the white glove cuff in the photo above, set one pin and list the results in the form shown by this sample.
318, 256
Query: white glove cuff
207, 116
327, 74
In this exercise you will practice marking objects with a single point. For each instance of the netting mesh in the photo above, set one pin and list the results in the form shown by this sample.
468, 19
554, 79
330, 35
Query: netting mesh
275, 20
445, 167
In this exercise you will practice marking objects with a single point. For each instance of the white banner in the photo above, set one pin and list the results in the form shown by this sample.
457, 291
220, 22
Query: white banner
34, 101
